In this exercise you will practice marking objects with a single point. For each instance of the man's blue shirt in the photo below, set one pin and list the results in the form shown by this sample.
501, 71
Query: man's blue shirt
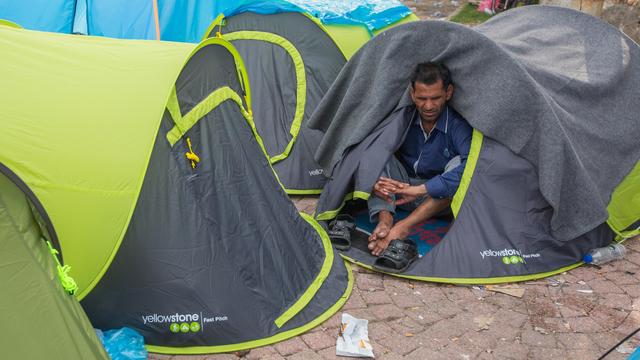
425, 155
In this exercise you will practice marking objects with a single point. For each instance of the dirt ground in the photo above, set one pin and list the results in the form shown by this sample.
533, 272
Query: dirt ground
434, 9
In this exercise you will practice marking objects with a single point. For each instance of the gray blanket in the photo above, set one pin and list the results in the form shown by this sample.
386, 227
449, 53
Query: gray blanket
556, 86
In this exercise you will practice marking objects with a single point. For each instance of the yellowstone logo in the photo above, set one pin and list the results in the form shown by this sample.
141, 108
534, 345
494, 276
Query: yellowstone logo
315, 172
509, 256
182, 323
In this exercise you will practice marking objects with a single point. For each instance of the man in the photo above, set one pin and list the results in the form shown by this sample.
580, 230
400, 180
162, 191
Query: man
425, 172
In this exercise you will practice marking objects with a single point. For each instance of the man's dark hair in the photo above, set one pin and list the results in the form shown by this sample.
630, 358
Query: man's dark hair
429, 73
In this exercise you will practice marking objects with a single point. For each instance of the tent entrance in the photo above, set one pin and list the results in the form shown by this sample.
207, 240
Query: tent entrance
276, 41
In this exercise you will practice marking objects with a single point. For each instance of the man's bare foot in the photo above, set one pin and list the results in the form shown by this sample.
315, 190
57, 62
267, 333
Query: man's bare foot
398, 231
385, 222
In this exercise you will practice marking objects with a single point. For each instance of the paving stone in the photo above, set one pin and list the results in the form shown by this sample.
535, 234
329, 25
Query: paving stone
632, 290
579, 303
503, 301
153, 356
423, 353
480, 307
355, 301
447, 329
376, 297
271, 357
567, 312
408, 299
330, 354
604, 287
399, 344
369, 282
546, 353
386, 312
573, 341
291, 346
633, 257
621, 277
605, 340
446, 308
305, 355
607, 317
510, 350
364, 313
388, 356
455, 351
332, 323
542, 306
535, 339
393, 282
479, 340
319, 340
205, 357
424, 315
617, 301
585, 273
429, 293
405, 325
460, 294
557, 325
583, 325
579, 354
630, 323
261, 352
380, 330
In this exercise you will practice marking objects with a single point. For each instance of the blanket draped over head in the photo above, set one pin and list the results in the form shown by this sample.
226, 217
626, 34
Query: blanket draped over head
557, 87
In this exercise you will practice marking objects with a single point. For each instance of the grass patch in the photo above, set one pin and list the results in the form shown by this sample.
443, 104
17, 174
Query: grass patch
469, 15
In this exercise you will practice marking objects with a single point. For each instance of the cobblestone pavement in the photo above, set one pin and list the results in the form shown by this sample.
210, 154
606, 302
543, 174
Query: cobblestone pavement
579, 315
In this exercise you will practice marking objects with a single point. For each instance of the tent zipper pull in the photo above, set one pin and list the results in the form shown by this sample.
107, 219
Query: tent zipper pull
195, 159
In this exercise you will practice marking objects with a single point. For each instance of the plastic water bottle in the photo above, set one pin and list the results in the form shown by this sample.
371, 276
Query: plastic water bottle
605, 254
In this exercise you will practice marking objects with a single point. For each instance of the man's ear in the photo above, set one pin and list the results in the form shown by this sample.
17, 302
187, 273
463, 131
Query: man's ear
412, 93
449, 92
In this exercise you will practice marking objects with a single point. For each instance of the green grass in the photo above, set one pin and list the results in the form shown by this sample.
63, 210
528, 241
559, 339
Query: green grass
469, 15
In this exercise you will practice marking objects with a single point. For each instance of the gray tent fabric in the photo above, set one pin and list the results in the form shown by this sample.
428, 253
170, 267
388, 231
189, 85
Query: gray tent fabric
557, 87
273, 82
214, 255
502, 231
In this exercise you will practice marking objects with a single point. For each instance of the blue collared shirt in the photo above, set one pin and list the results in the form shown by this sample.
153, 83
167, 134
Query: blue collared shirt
425, 155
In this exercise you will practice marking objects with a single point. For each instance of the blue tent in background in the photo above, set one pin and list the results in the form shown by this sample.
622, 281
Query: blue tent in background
182, 20
44, 15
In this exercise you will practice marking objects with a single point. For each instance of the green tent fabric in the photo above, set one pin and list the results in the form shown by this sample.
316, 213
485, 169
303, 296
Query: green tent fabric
117, 91
41, 320
147, 161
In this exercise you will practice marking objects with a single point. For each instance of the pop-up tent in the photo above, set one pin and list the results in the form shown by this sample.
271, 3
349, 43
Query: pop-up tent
42, 320
291, 60
144, 157
552, 95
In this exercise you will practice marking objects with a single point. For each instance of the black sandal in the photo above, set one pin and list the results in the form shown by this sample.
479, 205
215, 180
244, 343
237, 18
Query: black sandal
397, 257
340, 231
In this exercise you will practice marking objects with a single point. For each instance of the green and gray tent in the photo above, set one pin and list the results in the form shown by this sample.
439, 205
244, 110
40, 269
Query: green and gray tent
553, 169
291, 59
144, 156
41, 320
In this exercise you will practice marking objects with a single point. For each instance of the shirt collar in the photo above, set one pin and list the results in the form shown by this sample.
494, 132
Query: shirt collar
441, 123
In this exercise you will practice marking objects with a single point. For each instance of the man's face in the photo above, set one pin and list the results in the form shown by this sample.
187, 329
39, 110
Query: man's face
430, 99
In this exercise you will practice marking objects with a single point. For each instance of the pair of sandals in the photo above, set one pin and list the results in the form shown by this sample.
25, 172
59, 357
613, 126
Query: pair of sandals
396, 258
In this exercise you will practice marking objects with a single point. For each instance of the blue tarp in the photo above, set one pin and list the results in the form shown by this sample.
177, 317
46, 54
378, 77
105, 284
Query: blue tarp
43, 15
183, 20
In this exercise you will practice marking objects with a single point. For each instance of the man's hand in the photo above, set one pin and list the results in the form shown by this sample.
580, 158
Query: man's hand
410, 193
384, 187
